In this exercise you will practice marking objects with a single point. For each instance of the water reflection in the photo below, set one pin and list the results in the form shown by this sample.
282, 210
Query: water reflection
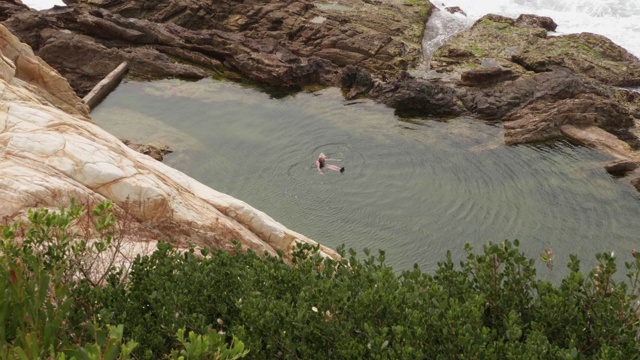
414, 188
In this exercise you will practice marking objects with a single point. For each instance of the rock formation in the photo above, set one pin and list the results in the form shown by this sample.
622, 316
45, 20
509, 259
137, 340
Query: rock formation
541, 83
542, 87
282, 43
51, 152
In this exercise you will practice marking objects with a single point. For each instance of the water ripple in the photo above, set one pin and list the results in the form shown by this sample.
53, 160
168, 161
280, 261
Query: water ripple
414, 192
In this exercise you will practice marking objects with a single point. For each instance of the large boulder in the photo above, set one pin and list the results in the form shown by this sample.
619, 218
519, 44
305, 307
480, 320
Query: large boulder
52, 152
84, 46
523, 45
282, 43
542, 87
380, 35
9, 7
541, 83
20, 67
412, 96
591, 55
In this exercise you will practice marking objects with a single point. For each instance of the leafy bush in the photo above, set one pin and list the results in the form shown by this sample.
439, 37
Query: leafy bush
46, 265
211, 346
491, 305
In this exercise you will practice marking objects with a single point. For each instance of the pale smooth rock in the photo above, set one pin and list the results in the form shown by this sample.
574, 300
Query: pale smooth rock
53, 88
600, 139
50, 152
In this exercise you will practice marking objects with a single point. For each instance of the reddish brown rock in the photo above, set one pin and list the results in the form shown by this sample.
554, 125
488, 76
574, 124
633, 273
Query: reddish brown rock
542, 120
411, 96
529, 20
621, 167
282, 43
10, 7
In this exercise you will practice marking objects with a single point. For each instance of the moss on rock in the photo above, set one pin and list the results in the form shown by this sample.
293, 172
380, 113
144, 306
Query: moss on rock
522, 47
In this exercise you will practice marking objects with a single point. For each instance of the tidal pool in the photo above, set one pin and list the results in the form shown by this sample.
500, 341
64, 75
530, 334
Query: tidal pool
412, 187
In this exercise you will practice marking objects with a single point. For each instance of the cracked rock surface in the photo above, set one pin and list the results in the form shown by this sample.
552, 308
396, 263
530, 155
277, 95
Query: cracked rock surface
51, 152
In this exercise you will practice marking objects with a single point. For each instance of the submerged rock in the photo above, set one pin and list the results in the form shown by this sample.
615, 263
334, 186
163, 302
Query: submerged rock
155, 151
51, 152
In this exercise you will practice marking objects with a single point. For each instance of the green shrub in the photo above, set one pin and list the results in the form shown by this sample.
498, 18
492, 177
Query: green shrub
212, 346
491, 306
33, 275
46, 266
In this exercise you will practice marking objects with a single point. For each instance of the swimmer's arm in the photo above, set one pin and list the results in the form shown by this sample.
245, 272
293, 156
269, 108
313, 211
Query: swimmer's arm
318, 166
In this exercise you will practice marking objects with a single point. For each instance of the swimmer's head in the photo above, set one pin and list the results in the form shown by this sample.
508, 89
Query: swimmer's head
322, 156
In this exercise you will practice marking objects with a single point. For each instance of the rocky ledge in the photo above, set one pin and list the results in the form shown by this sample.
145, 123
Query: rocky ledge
51, 152
509, 70
290, 43
542, 87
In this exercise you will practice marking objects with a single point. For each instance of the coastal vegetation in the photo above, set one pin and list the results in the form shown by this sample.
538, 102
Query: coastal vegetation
59, 302
70, 290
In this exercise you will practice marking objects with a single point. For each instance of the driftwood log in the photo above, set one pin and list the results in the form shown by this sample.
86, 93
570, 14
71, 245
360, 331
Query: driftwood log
106, 85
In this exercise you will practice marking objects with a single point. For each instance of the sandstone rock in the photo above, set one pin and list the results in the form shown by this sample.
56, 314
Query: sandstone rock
93, 58
495, 102
155, 151
542, 120
10, 7
597, 138
621, 167
48, 156
590, 55
281, 43
21, 66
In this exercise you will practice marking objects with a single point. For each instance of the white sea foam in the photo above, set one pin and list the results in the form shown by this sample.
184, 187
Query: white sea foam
440, 27
42, 4
619, 20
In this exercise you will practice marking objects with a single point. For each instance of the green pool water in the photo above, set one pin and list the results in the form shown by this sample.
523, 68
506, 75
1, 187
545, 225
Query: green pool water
413, 187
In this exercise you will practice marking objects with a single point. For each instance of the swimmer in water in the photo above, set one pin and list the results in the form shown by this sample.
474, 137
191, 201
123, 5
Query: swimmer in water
321, 163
